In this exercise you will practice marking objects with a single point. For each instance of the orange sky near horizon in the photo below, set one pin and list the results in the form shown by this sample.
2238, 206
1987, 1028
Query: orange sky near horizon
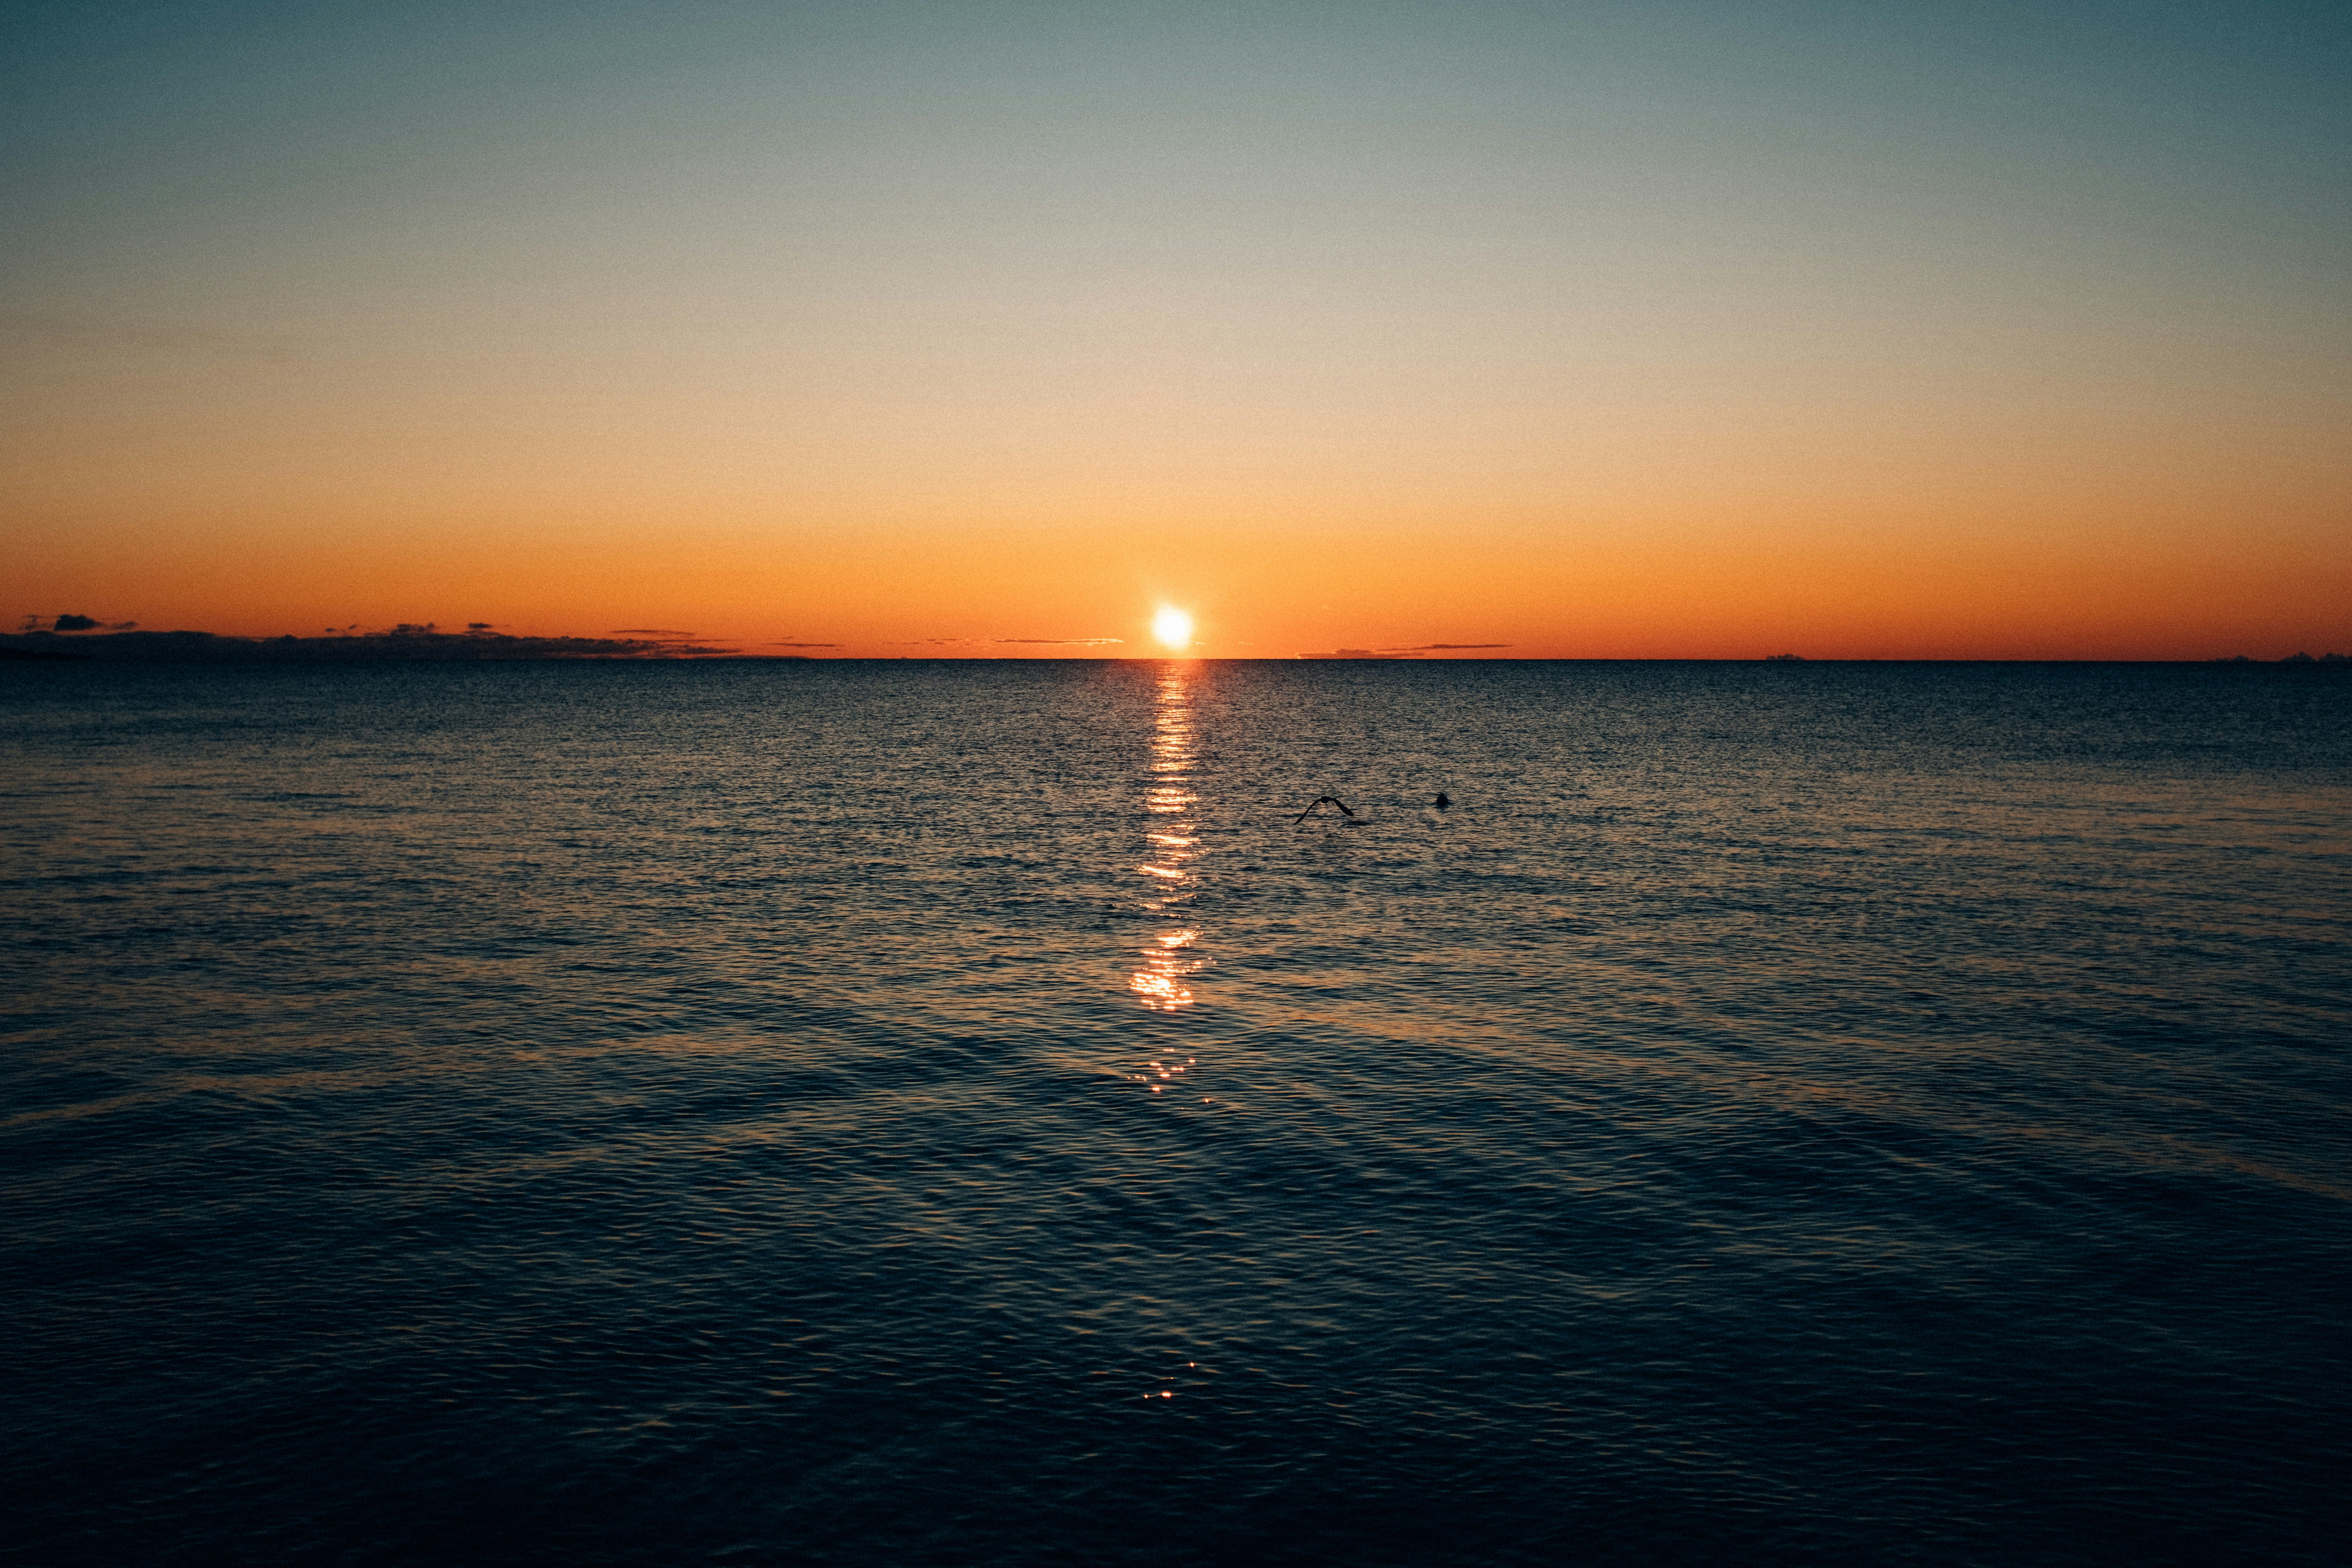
897, 329
1038, 595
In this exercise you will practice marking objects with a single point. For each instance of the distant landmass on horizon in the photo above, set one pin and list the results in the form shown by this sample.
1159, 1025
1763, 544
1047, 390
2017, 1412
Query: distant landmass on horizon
478, 644
404, 644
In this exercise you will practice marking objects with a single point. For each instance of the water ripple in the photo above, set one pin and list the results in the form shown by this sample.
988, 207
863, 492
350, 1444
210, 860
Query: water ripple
932, 1114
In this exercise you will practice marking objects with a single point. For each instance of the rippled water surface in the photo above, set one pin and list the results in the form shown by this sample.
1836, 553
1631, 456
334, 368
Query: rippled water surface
955, 1114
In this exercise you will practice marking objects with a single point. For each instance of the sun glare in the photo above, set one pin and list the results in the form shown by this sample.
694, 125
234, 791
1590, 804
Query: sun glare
1173, 626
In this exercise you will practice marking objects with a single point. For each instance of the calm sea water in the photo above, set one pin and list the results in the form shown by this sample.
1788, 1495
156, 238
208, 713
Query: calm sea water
952, 1114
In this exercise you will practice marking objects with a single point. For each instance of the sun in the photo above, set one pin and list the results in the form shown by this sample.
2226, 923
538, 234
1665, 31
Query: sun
1173, 626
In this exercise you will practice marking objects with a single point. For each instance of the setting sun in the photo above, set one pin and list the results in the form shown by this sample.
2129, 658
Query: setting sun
1173, 626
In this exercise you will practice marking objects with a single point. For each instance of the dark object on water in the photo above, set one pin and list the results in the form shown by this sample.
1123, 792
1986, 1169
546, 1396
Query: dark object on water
1319, 800
1442, 802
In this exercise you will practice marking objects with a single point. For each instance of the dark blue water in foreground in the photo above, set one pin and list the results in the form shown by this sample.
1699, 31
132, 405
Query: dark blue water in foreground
950, 1114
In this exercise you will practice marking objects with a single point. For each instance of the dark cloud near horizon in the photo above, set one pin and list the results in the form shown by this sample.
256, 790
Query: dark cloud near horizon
648, 632
404, 643
1433, 647
1061, 642
800, 644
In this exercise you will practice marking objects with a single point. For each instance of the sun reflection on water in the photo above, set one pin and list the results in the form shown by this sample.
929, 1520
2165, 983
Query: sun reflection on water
1172, 956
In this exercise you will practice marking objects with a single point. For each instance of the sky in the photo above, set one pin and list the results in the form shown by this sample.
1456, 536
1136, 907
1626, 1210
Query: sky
1479, 328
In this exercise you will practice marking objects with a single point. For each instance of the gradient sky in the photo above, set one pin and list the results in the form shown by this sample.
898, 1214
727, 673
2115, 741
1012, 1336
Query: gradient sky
1588, 330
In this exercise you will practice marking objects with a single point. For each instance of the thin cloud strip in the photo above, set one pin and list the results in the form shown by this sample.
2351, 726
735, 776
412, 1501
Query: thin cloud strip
1433, 647
1006, 642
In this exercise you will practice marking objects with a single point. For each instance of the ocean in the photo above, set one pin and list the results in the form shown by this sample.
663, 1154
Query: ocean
961, 1113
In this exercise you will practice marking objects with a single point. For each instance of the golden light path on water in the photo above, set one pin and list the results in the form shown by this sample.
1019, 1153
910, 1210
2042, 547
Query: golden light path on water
1172, 955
